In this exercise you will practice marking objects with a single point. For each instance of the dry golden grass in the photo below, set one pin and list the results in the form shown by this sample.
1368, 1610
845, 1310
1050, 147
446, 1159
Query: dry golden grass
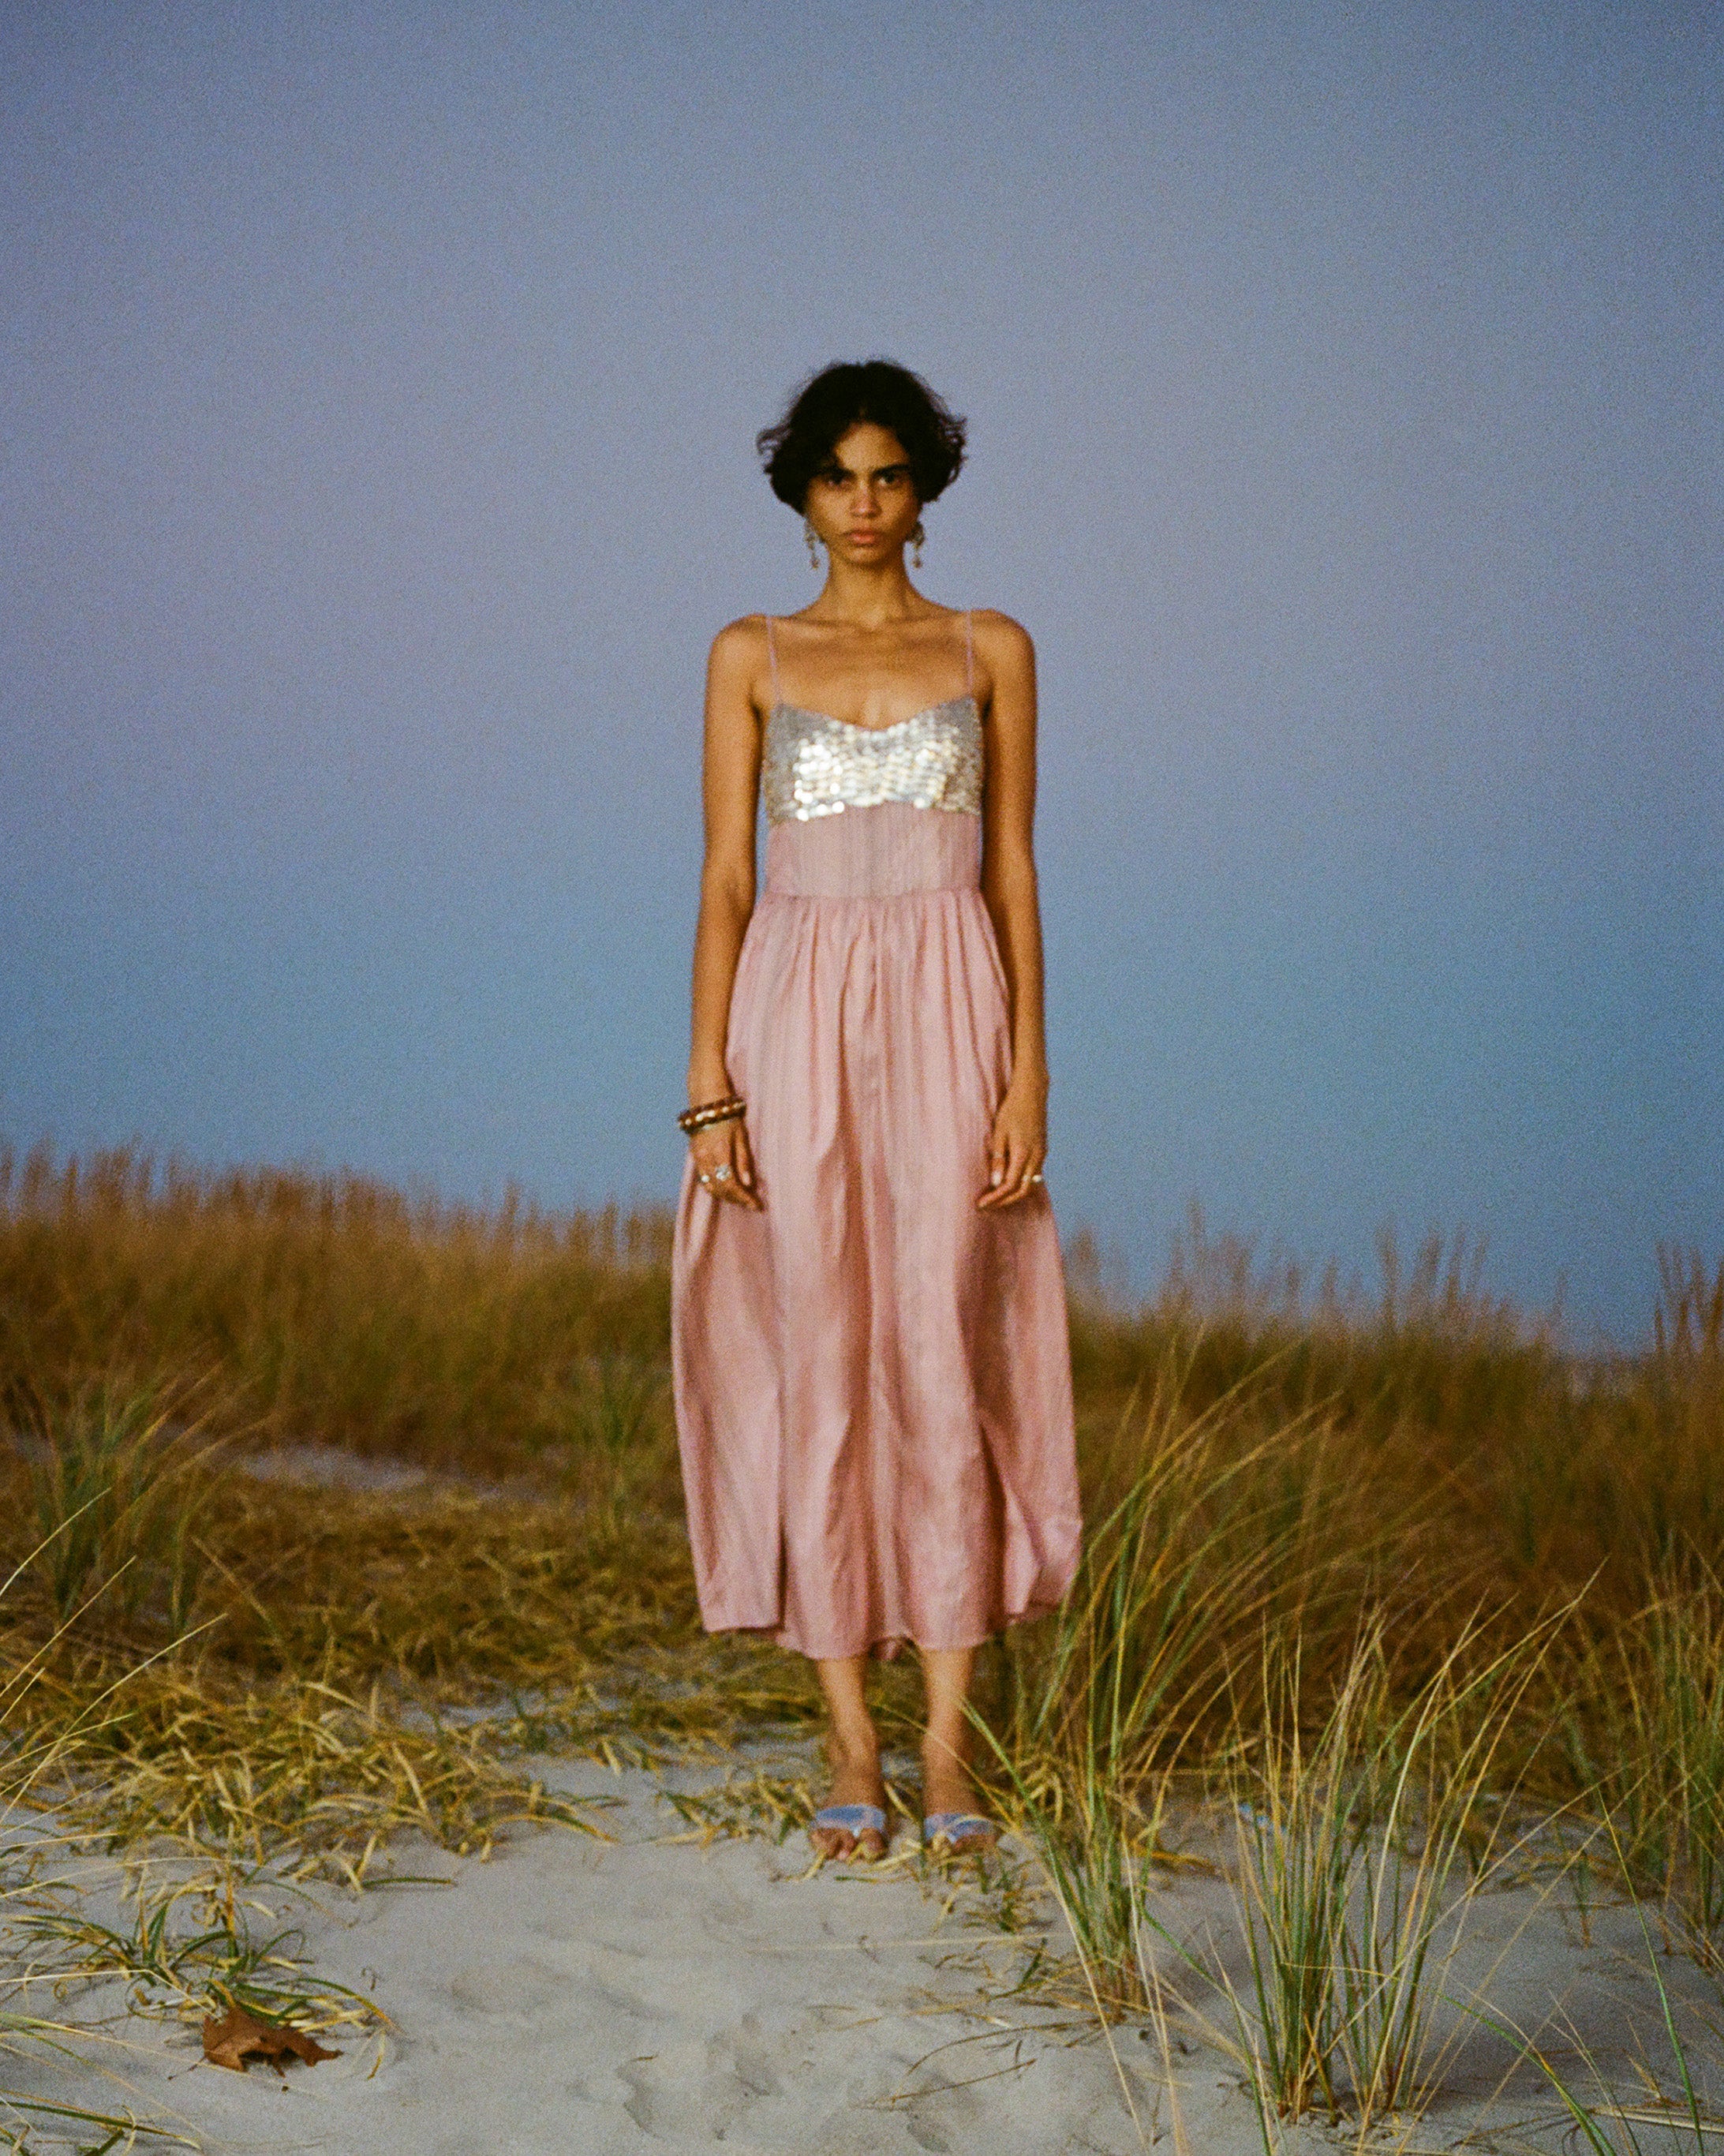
1273, 1478
331, 1309
319, 1699
258, 1666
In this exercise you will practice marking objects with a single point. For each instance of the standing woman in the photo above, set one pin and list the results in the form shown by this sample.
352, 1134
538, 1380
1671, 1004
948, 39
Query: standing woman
873, 1384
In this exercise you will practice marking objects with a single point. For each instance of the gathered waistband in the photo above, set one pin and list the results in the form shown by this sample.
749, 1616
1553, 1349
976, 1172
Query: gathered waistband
884, 852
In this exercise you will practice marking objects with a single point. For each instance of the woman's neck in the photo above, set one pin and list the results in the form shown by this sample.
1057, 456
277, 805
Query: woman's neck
868, 597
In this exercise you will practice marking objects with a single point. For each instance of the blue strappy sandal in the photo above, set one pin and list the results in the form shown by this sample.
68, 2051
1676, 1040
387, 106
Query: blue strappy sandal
857, 1819
963, 1833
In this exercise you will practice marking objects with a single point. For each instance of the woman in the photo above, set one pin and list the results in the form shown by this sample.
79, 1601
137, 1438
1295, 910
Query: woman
873, 1387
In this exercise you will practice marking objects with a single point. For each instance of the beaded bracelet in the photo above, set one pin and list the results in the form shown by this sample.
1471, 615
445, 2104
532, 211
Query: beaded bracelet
711, 1112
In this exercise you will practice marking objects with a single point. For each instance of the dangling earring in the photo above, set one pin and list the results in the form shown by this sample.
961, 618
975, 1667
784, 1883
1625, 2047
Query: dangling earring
916, 539
808, 533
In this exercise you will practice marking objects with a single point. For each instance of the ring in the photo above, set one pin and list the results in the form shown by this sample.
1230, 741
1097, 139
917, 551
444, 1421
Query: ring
722, 1174
1037, 1177
705, 1178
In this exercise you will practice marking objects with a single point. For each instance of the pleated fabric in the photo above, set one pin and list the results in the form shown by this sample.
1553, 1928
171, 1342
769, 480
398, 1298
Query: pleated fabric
872, 1378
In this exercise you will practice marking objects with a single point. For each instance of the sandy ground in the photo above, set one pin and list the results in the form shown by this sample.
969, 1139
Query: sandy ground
644, 1994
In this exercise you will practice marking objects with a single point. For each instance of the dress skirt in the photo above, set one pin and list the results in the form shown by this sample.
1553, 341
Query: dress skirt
872, 1378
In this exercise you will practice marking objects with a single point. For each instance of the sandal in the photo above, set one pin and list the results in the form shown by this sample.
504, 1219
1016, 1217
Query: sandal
963, 1833
856, 1820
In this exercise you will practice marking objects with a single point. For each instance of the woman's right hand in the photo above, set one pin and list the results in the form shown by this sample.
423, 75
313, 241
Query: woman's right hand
725, 1163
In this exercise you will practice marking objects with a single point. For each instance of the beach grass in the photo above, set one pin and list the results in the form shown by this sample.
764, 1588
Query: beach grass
324, 1695
1361, 1567
331, 1309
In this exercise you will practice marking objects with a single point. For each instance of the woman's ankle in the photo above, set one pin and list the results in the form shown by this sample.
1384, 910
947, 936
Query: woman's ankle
854, 1781
852, 1738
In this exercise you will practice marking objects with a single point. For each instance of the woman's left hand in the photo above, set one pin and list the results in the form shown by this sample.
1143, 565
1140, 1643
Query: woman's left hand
1018, 1146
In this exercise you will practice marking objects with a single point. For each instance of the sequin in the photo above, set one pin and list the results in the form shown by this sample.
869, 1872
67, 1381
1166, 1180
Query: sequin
816, 766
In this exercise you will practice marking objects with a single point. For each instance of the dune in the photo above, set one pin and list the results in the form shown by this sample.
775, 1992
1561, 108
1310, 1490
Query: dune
643, 1992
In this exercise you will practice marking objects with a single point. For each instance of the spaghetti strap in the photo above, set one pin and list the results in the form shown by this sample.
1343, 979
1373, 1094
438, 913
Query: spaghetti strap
772, 660
969, 655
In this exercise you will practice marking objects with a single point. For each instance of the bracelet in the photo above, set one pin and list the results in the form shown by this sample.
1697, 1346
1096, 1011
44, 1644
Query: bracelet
711, 1112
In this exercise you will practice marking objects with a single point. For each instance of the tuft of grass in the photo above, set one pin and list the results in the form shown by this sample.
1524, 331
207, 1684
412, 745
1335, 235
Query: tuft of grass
1360, 1854
1095, 1851
117, 1492
1644, 1737
43, 1729
1224, 1525
193, 1948
1234, 1542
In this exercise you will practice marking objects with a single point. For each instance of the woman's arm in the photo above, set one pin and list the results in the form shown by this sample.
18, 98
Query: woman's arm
730, 790
1019, 1142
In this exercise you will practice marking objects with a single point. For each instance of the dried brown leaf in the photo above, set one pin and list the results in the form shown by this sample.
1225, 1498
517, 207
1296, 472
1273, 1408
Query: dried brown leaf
240, 2036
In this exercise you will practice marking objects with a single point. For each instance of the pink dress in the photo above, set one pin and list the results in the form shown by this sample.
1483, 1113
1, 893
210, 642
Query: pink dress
872, 1379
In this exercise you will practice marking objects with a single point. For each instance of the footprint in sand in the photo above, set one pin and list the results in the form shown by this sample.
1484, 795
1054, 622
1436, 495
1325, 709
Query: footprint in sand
704, 2088
937, 2118
515, 1991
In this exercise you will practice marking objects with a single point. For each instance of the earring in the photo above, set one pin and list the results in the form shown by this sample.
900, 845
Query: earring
808, 533
916, 539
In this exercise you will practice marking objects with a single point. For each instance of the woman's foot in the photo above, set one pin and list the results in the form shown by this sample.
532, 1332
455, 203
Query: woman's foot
852, 1748
951, 1822
950, 1819
856, 1781
958, 1833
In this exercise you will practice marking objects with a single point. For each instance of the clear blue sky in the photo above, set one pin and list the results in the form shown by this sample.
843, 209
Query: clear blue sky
378, 389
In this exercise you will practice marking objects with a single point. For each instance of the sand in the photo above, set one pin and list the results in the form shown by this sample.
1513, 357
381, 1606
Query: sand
643, 1995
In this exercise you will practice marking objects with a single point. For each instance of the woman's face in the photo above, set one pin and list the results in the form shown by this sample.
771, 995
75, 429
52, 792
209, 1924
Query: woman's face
864, 503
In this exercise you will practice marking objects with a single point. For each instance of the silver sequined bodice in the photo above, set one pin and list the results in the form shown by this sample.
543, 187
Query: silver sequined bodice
814, 765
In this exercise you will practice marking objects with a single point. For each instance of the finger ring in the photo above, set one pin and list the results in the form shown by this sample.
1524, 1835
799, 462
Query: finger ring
722, 1174
1037, 1177
705, 1178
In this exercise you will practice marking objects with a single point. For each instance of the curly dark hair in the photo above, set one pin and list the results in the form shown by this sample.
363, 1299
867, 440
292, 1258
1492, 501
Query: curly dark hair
837, 399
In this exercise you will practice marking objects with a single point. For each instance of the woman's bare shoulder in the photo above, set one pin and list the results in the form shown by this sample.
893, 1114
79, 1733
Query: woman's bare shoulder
745, 639
739, 659
1002, 644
